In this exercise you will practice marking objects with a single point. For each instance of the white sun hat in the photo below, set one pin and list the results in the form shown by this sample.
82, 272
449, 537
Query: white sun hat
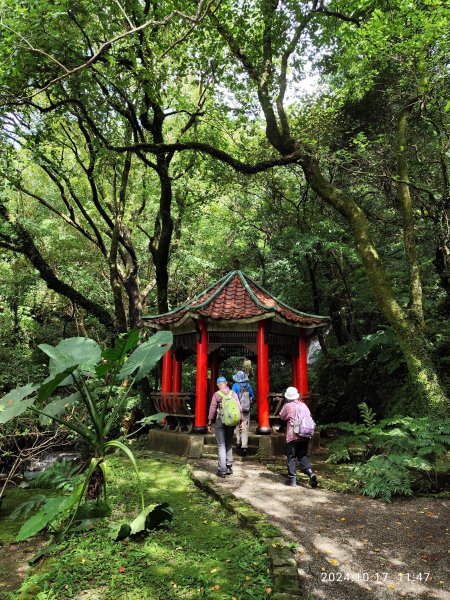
291, 393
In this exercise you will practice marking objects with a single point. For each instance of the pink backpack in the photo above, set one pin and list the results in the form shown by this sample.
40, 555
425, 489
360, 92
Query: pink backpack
303, 425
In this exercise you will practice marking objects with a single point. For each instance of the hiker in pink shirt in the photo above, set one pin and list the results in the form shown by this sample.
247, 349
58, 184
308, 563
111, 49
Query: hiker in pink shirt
224, 433
299, 425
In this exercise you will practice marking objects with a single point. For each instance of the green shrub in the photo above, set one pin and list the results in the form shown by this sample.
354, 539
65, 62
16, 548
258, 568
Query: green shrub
395, 456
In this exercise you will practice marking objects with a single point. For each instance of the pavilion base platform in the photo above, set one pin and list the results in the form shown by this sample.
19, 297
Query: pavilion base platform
260, 447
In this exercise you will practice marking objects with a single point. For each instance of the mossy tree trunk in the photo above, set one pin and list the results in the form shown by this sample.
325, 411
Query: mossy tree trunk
409, 331
406, 208
267, 75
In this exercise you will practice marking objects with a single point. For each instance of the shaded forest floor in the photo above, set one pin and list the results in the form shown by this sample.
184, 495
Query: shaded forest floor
203, 553
349, 546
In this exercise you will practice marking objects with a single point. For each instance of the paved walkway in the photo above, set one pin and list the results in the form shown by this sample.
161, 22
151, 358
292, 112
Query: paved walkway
351, 547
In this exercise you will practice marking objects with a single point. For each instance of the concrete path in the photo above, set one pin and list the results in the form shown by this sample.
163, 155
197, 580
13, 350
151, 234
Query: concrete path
351, 547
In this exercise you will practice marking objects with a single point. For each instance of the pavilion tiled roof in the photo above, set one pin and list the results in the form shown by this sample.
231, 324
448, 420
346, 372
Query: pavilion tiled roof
236, 297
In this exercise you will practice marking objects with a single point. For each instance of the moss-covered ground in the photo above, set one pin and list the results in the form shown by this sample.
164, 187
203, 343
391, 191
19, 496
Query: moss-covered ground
203, 553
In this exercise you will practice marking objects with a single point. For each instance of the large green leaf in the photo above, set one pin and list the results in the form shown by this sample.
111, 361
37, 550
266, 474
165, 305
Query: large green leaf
19, 393
120, 532
149, 518
147, 355
161, 513
80, 351
152, 419
51, 509
13, 404
114, 357
138, 524
12, 409
50, 385
57, 407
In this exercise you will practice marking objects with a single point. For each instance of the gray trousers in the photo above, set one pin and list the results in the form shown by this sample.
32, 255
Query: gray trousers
242, 436
224, 438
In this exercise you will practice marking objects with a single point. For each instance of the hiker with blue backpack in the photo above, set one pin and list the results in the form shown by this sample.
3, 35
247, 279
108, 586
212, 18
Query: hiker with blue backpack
225, 412
300, 429
245, 394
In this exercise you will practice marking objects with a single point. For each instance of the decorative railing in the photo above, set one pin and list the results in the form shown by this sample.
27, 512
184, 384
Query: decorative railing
179, 406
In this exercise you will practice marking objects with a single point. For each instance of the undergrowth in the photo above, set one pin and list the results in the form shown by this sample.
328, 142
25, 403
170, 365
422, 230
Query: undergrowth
393, 457
203, 553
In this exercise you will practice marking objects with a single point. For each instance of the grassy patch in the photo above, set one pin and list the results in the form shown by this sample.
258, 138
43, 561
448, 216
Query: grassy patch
204, 553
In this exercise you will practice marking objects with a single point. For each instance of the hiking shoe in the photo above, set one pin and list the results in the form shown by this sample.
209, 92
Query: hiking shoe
243, 452
313, 480
290, 483
221, 475
229, 470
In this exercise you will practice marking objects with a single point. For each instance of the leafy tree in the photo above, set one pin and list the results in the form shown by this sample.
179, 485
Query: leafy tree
252, 59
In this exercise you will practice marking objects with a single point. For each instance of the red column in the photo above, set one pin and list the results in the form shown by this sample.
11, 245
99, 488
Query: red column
214, 372
166, 379
263, 379
201, 379
176, 373
302, 367
293, 369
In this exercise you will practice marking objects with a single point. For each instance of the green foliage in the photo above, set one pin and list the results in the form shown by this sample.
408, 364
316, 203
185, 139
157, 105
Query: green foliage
59, 476
367, 415
195, 558
150, 518
385, 476
74, 362
29, 506
394, 456
372, 371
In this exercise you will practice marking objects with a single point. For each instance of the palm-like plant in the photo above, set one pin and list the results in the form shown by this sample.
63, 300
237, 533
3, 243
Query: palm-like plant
74, 363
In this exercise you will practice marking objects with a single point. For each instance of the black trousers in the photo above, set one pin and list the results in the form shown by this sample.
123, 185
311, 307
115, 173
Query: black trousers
297, 451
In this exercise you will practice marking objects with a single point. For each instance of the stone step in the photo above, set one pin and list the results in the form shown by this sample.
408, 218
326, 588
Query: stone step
236, 458
212, 449
253, 440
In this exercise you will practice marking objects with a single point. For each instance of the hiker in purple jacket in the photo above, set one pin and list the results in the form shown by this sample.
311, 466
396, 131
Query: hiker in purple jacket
296, 446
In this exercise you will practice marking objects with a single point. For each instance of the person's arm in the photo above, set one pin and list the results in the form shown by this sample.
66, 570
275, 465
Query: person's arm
284, 413
213, 409
252, 394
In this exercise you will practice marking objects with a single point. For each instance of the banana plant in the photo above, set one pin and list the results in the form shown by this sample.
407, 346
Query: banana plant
74, 364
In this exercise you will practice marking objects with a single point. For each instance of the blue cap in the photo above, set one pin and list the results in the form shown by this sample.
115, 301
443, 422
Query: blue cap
221, 380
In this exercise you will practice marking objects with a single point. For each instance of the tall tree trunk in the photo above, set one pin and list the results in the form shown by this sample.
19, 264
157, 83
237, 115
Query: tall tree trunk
409, 333
404, 197
116, 287
312, 270
161, 240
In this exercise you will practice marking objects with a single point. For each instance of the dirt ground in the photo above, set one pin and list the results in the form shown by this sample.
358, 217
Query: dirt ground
14, 563
352, 547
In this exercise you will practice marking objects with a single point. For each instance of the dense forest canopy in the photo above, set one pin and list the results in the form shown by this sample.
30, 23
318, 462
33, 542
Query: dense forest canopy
148, 147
